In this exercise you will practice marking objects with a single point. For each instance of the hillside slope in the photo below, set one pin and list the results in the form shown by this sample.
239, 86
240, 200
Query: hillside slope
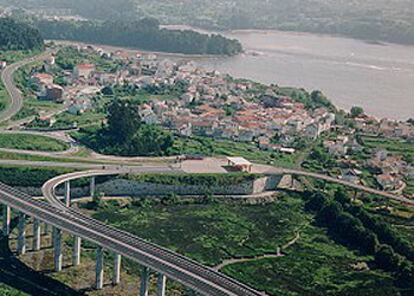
18, 36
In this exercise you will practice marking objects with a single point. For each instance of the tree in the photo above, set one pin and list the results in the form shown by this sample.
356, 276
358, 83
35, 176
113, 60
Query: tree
320, 100
107, 91
386, 258
150, 140
18, 36
123, 121
316, 202
356, 111
329, 213
406, 275
341, 196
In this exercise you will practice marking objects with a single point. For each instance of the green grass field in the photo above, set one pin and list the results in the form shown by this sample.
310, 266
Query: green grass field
66, 120
31, 142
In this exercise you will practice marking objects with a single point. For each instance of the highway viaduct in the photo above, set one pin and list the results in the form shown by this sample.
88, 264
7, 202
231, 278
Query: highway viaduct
153, 259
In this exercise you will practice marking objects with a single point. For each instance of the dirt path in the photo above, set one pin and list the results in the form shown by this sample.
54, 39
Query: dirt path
266, 256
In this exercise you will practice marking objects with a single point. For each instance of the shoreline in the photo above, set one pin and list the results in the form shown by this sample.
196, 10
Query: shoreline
271, 31
198, 58
136, 50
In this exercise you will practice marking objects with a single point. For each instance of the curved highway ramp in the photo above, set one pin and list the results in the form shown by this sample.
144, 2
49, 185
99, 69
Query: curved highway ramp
191, 274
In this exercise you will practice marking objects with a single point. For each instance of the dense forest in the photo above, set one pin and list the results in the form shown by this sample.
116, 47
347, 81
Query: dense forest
145, 34
382, 20
18, 36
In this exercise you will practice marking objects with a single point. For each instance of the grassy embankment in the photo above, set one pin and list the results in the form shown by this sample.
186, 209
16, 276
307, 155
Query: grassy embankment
32, 142
28, 177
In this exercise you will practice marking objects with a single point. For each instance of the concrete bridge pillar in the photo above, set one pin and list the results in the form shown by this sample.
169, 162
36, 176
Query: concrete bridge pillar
117, 270
6, 220
36, 235
57, 249
144, 282
161, 284
67, 193
76, 254
21, 240
46, 229
99, 268
93, 186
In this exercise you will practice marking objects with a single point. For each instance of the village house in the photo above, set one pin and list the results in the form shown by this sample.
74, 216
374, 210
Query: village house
338, 147
185, 130
53, 92
46, 120
41, 79
351, 176
148, 116
79, 106
203, 127
246, 135
83, 71
388, 182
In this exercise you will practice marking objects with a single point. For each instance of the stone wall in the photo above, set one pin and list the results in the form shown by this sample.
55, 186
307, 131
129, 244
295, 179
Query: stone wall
123, 187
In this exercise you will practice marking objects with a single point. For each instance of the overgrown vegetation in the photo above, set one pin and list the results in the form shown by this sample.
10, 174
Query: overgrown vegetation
194, 179
354, 227
314, 265
212, 231
18, 36
209, 232
31, 142
27, 177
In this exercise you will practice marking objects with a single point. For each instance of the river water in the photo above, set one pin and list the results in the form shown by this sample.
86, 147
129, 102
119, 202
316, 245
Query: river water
378, 77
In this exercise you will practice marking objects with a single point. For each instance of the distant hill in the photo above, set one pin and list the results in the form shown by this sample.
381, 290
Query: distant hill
379, 20
144, 34
18, 36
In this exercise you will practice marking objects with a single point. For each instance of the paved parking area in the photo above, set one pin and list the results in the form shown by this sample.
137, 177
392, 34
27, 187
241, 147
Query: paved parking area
207, 165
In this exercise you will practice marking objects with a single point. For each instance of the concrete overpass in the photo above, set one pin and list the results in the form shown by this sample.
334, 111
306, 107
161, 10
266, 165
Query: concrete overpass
167, 264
